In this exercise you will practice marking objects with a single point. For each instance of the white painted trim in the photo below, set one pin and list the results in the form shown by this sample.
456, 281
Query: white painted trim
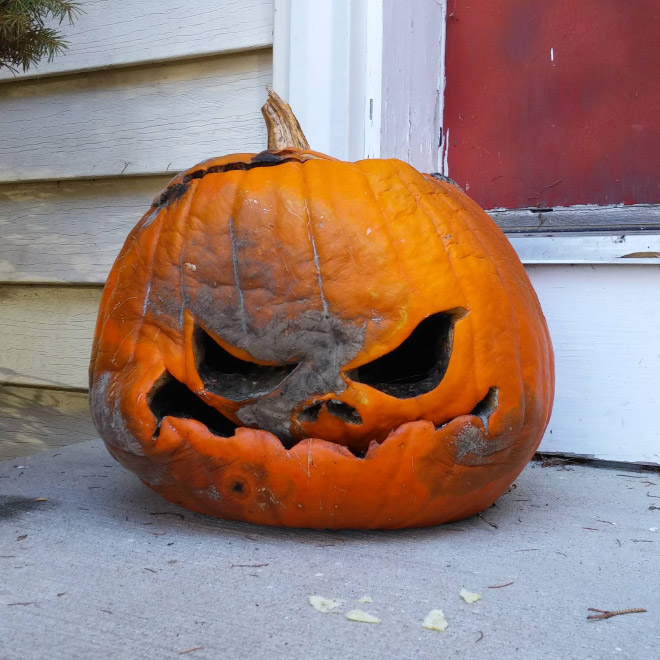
603, 322
373, 83
443, 146
281, 46
327, 63
588, 249
413, 82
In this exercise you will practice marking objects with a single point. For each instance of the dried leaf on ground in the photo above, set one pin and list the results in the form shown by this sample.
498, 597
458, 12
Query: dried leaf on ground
365, 599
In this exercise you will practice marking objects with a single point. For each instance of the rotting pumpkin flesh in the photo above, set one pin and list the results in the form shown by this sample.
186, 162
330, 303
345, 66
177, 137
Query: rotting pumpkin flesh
292, 340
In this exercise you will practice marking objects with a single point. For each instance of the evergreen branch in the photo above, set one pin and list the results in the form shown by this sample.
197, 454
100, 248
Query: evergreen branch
24, 37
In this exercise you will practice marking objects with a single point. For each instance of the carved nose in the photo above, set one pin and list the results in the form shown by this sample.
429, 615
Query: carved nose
339, 409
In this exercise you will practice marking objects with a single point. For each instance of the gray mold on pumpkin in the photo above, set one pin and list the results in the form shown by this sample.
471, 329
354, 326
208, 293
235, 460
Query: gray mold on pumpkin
317, 343
105, 406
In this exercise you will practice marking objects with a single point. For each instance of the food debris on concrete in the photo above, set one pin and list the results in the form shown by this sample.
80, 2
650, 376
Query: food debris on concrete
435, 620
469, 596
326, 605
362, 617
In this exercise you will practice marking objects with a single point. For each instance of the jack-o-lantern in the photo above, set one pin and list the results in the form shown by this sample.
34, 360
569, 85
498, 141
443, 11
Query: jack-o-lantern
289, 339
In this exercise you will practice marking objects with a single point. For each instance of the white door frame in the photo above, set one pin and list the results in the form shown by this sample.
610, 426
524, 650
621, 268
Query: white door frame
327, 63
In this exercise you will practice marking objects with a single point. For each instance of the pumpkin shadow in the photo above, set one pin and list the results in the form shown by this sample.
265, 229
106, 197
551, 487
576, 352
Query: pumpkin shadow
146, 507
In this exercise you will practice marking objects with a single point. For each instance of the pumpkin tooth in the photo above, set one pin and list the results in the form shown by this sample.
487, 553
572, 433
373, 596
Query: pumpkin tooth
486, 407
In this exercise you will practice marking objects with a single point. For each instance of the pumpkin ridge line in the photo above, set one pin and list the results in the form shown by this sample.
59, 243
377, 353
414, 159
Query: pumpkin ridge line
310, 233
422, 205
141, 321
386, 225
513, 307
234, 267
503, 242
145, 222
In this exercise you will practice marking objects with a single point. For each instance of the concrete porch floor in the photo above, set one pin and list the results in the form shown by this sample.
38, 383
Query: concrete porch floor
104, 568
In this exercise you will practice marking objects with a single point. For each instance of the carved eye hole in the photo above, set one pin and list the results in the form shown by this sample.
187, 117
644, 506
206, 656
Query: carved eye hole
232, 378
417, 365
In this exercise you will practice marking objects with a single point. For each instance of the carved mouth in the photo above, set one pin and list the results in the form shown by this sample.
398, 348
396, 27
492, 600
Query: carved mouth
171, 398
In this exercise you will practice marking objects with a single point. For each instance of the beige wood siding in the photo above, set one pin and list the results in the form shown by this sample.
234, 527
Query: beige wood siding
69, 231
145, 90
116, 34
157, 118
46, 334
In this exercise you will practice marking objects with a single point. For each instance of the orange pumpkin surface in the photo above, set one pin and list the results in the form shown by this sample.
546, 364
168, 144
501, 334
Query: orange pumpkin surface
289, 339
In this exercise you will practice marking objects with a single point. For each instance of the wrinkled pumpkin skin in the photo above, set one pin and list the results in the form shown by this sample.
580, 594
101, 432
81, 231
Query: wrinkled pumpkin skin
291, 257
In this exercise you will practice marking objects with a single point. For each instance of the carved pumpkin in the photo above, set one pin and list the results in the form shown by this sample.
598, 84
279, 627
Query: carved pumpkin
289, 339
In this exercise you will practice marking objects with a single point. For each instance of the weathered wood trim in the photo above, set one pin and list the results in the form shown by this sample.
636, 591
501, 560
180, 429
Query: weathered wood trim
37, 419
382, 67
46, 334
636, 217
113, 34
147, 120
413, 82
282, 47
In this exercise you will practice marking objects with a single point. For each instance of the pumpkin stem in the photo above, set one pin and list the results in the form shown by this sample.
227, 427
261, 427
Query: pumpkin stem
284, 131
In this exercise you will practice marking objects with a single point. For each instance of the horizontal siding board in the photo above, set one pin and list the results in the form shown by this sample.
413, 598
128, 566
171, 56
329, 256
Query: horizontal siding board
111, 33
154, 119
69, 231
35, 419
46, 334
